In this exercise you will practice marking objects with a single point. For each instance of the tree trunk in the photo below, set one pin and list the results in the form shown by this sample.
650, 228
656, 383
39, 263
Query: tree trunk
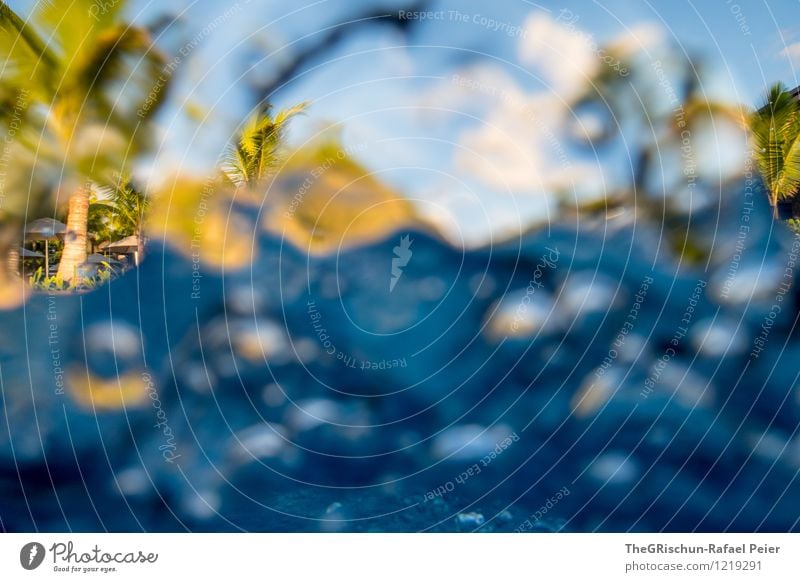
75, 239
13, 290
139, 246
13, 260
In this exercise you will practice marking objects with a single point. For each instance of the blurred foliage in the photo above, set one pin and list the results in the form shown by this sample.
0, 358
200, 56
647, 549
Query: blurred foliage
101, 223
37, 280
199, 219
794, 224
319, 197
323, 198
89, 85
660, 110
205, 218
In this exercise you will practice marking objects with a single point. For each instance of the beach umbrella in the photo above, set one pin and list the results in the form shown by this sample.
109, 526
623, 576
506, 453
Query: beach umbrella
45, 229
129, 244
125, 245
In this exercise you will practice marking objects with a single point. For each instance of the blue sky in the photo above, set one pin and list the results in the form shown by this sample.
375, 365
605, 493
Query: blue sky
747, 36
755, 40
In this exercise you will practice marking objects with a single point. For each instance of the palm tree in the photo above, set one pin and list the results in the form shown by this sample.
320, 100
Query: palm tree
100, 222
93, 81
255, 153
776, 141
128, 207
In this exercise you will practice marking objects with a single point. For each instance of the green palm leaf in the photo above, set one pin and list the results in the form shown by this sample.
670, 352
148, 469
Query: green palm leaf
72, 26
787, 183
234, 165
776, 138
27, 62
257, 149
127, 205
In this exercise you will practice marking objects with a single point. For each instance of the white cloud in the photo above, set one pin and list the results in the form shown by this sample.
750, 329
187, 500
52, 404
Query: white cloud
564, 55
792, 52
523, 148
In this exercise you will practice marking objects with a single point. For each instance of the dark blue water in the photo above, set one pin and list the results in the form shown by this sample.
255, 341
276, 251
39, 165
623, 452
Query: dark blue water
302, 395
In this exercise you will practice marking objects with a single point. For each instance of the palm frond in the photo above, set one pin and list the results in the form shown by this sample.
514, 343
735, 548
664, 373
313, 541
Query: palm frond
787, 183
27, 61
274, 137
267, 157
775, 132
284, 115
131, 204
256, 150
250, 138
74, 25
234, 165
127, 204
